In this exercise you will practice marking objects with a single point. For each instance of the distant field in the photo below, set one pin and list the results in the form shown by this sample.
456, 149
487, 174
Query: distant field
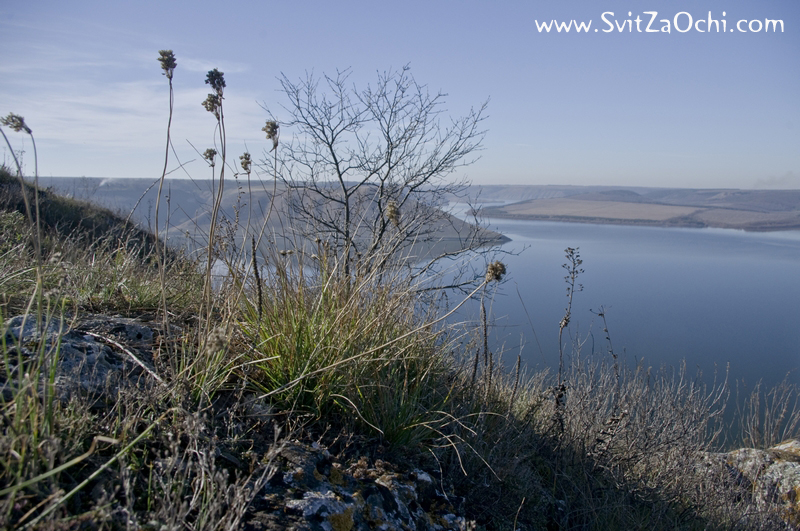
598, 209
752, 210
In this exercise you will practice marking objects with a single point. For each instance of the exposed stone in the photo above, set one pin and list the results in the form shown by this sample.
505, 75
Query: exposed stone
312, 490
316, 492
94, 356
771, 476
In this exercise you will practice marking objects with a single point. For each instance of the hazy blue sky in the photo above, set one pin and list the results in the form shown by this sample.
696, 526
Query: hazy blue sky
688, 109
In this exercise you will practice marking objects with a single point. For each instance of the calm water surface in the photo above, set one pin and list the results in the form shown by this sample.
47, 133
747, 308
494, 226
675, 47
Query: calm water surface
710, 296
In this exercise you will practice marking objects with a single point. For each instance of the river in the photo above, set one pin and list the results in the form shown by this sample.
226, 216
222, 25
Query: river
712, 297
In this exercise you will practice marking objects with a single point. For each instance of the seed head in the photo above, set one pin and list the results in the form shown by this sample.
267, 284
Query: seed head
271, 128
168, 63
495, 271
216, 80
393, 213
245, 162
209, 155
211, 104
15, 122
51, 293
216, 341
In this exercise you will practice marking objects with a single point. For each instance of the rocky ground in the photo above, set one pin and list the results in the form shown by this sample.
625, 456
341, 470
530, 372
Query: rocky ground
311, 488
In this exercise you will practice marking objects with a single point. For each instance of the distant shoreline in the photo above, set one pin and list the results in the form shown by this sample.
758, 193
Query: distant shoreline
673, 223
748, 210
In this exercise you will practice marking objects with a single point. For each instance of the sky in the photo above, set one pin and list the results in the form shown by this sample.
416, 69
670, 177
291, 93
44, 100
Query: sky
684, 108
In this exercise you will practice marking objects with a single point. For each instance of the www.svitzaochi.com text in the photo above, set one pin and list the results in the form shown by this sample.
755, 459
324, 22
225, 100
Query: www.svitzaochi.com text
653, 22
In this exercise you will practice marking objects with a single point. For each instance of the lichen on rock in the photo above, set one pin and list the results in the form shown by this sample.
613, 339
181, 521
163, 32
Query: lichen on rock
771, 476
317, 492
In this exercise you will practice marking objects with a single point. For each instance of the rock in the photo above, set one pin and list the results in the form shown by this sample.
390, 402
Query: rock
95, 355
99, 355
772, 476
316, 492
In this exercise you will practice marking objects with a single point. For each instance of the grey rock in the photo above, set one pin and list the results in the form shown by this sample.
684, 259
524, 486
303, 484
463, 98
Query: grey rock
316, 492
26, 330
771, 476
85, 363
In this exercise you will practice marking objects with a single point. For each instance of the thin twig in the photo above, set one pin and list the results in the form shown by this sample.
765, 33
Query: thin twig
129, 353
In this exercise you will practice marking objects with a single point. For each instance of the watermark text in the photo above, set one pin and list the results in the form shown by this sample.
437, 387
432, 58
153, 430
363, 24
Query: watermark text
649, 22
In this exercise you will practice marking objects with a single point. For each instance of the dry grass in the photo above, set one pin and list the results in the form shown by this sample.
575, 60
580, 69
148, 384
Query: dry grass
625, 455
601, 446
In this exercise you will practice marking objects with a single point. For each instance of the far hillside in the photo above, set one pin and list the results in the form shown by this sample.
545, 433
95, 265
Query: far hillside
189, 202
751, 210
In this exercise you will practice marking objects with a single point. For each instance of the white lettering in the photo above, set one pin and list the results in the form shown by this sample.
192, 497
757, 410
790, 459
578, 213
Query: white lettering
653, 15
774, 24
564, 25
711, 21
683, 22
688, 27
696, 27
610, 25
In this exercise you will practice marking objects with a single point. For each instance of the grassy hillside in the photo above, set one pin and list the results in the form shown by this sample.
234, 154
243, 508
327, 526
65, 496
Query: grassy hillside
360, 365
144, 387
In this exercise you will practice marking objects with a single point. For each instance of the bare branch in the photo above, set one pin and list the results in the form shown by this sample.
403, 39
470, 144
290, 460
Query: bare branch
369, 170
